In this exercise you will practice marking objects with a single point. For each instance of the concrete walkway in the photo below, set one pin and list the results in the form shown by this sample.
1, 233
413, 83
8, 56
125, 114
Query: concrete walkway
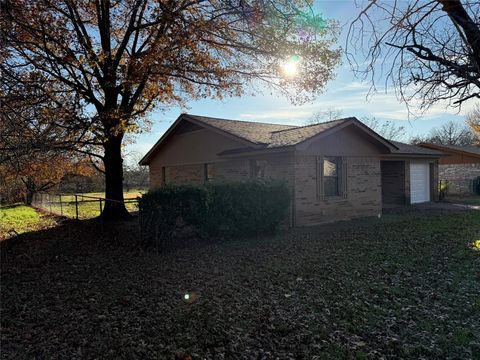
424, 207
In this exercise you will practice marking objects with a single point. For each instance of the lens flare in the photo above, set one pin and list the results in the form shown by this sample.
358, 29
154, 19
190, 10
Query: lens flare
290, 67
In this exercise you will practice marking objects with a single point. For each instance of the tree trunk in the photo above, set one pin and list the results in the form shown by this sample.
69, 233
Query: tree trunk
30, 190
29, 197
114, 206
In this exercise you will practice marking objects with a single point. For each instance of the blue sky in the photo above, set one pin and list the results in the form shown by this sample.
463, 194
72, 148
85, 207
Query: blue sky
345, 93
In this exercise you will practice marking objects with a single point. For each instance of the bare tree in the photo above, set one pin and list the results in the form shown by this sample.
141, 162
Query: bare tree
121, 59
331, 113
429, 50
388, 129
136, 176
473, 121
451, 133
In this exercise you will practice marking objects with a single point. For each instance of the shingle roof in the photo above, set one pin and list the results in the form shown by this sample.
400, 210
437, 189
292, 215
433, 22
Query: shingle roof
276, 135
475, 150
301, 133
413, 149
271, 135
257, 133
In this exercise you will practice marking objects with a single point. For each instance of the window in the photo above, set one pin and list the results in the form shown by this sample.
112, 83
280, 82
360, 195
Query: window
257, 168
331, 168
209, 172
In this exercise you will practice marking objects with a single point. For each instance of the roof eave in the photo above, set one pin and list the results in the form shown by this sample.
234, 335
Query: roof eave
412, 155
264, 150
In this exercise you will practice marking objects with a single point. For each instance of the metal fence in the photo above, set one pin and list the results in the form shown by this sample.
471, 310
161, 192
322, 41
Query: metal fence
77, 206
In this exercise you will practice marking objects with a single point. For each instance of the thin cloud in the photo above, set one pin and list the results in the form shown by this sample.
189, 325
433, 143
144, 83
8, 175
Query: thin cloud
280, 116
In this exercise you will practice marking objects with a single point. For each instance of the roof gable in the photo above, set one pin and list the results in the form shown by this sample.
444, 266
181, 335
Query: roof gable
180, 126
331, 128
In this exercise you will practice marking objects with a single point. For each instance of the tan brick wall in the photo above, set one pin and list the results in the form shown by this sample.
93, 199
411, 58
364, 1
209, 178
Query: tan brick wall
363, 191
434, 178
232, 170
407, 181
185, 174
459, 176
278, 166
155, 177
178, 174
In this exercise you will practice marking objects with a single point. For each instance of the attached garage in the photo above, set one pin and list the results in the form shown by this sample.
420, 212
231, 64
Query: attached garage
419, 182
409, 176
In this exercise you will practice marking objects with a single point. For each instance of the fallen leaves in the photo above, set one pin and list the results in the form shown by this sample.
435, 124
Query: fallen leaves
309, 293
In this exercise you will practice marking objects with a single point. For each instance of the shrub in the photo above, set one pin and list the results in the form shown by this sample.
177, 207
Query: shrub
163, 210
246, 208
235, 209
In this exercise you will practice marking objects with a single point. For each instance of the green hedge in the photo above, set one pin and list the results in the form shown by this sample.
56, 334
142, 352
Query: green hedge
238, 209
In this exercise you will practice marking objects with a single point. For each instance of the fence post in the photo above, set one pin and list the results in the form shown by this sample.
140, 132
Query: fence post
76, 206
49, 204
100, 206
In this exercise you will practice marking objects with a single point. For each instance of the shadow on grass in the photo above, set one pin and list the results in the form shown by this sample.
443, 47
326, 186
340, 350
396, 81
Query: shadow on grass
69, 237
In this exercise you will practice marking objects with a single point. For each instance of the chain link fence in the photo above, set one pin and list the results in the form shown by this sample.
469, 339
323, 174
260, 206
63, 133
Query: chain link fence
77, 206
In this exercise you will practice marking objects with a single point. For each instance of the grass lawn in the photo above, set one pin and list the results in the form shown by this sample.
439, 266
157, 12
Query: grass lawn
400, 287
20, 219
468, 199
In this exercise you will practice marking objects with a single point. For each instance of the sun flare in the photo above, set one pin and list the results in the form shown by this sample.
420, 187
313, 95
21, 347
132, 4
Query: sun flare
290, 67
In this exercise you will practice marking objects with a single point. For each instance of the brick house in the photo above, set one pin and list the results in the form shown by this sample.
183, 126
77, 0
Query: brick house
336, 170
459, 168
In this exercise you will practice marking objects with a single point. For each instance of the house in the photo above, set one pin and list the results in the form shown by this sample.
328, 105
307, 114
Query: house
336, 170
459, 168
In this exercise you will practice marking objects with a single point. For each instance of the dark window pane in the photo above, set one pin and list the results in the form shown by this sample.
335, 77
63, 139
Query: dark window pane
330, 186
331, 172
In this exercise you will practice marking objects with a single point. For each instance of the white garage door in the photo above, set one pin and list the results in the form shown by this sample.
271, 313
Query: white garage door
419, 182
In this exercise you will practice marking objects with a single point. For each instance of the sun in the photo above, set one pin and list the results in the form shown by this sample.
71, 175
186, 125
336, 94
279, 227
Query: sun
290, 67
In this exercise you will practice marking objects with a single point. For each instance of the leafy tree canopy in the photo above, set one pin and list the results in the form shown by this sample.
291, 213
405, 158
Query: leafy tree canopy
117, 60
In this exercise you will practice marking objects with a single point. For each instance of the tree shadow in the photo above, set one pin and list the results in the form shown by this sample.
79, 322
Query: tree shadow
68, 238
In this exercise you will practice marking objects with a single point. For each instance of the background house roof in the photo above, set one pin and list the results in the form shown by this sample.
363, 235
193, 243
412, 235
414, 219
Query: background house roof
471, 149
